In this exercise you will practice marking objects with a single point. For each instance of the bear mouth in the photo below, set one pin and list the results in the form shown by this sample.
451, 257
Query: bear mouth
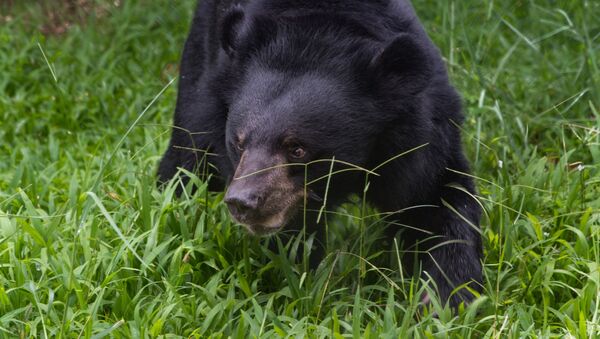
266, 225
263, 228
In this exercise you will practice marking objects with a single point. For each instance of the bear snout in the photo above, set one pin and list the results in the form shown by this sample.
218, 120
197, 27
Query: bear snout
262, 209
261, 195
244, 204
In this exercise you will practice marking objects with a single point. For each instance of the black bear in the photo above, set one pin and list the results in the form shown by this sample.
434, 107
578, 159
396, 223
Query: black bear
289, 104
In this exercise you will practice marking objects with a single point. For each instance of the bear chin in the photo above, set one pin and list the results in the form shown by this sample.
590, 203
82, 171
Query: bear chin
262, 231
266, 227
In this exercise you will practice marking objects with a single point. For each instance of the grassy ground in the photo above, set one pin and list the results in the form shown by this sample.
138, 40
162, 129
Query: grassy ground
89, 248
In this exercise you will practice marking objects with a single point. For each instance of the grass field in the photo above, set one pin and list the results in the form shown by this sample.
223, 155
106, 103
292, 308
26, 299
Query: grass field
90, 248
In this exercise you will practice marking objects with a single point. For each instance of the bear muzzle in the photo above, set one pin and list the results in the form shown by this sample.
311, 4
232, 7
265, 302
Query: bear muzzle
261, 195
259, 214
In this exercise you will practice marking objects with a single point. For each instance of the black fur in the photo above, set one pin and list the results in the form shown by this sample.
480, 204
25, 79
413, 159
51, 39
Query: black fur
356, 80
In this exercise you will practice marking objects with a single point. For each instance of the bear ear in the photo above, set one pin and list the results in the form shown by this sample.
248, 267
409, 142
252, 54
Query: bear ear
405, 62
241, 33
230, 27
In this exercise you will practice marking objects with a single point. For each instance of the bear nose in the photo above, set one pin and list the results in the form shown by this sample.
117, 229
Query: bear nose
243, 202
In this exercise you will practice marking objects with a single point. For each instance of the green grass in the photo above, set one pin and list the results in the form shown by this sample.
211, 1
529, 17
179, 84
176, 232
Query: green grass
90, 248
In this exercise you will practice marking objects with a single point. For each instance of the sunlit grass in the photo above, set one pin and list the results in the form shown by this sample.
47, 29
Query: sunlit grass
90, 248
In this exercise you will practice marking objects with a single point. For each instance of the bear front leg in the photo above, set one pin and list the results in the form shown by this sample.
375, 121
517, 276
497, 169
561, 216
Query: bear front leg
443, 236
452, 256
198, 139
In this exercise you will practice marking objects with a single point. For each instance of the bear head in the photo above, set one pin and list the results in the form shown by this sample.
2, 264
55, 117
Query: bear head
307, 99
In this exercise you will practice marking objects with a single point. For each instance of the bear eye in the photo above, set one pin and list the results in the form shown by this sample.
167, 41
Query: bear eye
239, 144
297, 152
